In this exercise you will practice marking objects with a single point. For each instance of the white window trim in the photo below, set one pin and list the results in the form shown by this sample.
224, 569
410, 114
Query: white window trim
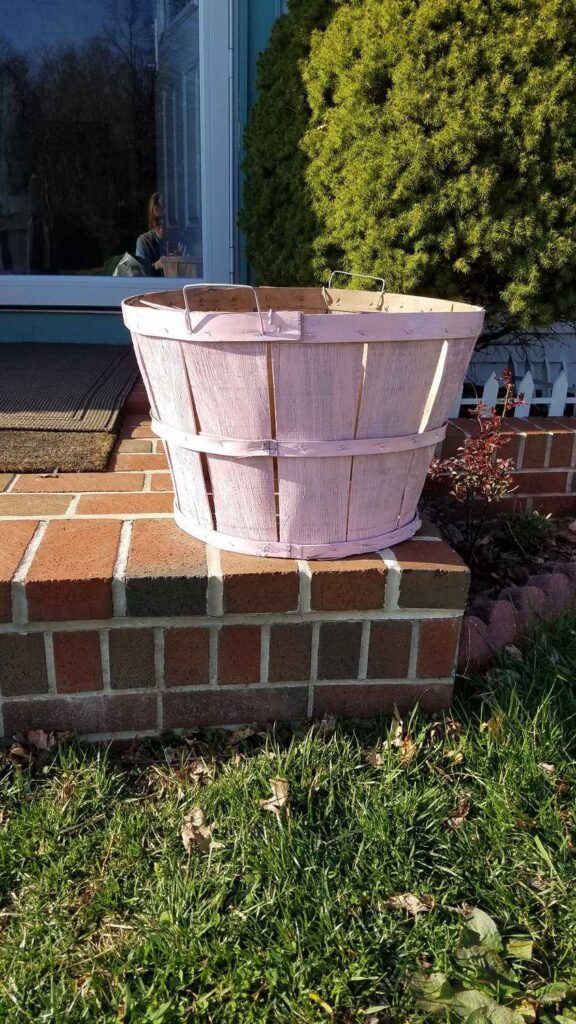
216, 155
53, 290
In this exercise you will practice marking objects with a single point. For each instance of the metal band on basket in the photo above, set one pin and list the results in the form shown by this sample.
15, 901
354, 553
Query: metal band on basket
268, 447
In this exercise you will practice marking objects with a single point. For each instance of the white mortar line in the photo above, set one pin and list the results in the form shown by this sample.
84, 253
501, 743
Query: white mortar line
265, 654
213, 659
545, 472
569, 481
119, 573
304, 586
71, 510
215, 590
457, 649
75, 698
147, 482
573, 454
414, 647
236, 619
548, 451
18, 588
393, 575
159, 656
12, 484
520, 456
121, 516
105, 659
159, 675
364, 647
313, 668
111, 737
50, 663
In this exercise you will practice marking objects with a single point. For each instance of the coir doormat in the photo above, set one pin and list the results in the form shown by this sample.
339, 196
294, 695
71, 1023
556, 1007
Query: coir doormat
60, 405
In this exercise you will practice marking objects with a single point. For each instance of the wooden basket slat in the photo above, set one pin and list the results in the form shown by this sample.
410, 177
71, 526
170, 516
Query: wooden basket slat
316, 392
387, 374
376, 490
230, 387
189, 484
414, 484
166, 381
459, 355
244, 497
378, 485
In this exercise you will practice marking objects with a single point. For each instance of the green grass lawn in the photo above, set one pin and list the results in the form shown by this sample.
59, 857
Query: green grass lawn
106, 917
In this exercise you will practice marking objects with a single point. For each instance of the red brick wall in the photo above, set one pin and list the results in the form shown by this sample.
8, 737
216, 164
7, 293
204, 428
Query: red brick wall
113, 627
544, 453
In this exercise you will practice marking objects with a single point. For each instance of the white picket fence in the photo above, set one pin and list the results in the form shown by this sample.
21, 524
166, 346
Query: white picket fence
546, 375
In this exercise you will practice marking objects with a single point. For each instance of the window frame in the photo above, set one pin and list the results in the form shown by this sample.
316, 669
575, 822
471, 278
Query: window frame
216, 44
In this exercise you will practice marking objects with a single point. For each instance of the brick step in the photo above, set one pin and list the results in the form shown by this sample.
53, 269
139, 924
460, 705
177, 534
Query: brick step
130, 627
137, 400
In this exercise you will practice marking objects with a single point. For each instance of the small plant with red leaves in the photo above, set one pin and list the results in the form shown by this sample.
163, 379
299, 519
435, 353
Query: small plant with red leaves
478, 475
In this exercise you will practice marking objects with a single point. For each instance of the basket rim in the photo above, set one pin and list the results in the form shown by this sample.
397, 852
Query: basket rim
310, 302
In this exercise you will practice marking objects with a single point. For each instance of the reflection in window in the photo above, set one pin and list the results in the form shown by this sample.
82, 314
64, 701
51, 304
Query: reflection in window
174, 7
84, 140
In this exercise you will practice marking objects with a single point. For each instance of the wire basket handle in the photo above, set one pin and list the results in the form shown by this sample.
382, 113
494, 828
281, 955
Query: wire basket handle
368, 277
204, 284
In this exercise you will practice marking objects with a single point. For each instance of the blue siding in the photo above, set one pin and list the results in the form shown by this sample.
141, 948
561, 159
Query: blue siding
261, 16
57, 325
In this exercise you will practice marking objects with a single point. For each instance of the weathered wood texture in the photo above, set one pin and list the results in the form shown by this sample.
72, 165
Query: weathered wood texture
330, 368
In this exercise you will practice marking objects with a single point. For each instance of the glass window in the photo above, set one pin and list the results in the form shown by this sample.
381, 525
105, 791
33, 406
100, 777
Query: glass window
99, 138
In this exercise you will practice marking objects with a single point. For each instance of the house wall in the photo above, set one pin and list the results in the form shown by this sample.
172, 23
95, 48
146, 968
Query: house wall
86, 326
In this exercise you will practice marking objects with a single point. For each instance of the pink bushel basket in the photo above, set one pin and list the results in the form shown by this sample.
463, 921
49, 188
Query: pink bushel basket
300, 422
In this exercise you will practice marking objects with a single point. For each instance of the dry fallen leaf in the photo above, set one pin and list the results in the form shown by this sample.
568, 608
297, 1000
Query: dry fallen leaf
41, 740
454, 756
326, 727
492, 726
374, 758
279, 797
527, 1009
19, 755
460, 813
196, 834
396, 730
408, 750
198, 771
561, 786
411, 904
548, 768
514, 651
239, 735
441, 730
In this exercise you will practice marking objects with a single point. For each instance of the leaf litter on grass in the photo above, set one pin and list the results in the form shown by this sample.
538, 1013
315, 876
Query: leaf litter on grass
298, 910
196, 834
279, 799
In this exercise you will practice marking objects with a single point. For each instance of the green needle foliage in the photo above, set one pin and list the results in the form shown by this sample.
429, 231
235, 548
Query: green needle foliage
277, 216
438, 144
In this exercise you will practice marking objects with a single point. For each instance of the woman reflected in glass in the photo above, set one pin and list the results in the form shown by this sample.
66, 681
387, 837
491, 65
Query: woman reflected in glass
149, 246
